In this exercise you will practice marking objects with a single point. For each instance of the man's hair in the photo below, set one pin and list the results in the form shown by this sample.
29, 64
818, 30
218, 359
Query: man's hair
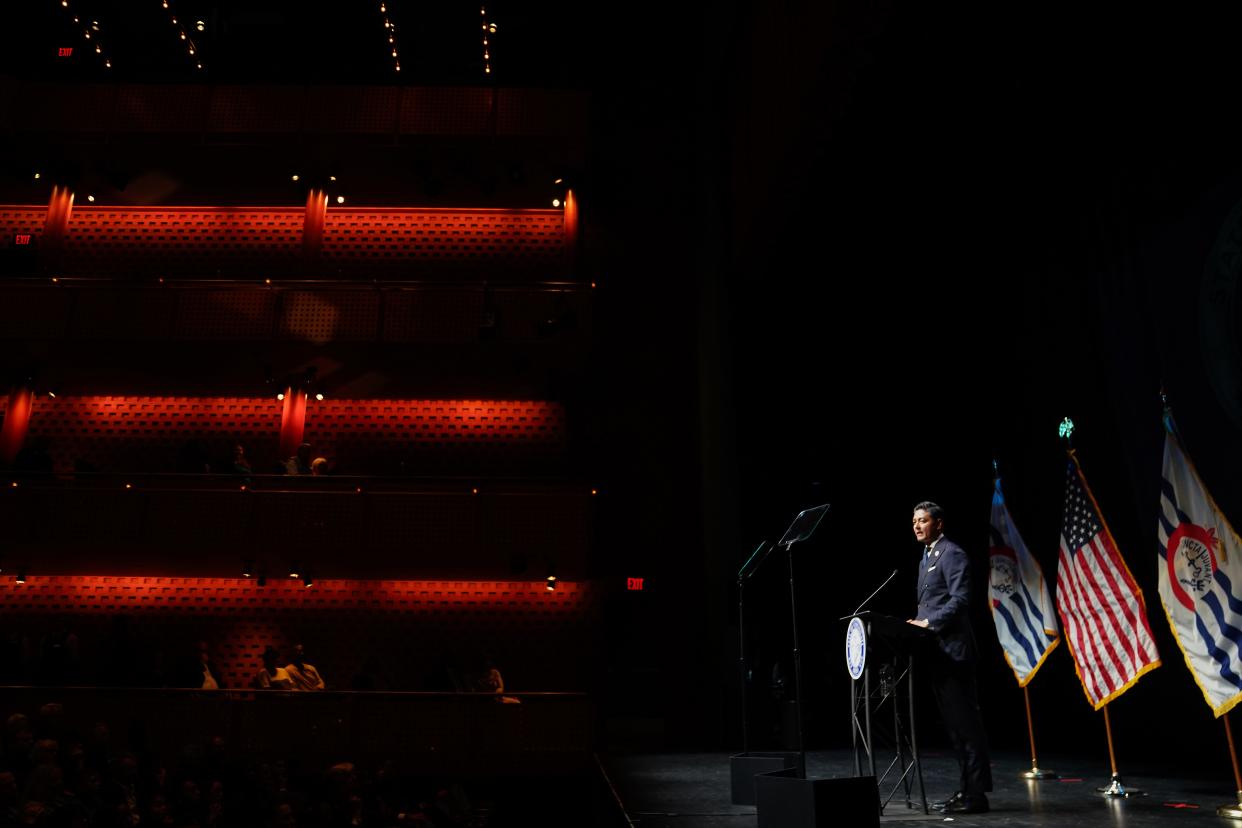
932, 509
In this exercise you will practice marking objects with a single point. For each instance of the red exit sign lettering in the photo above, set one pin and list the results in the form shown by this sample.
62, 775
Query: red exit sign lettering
634, 584
22, 238
65, 51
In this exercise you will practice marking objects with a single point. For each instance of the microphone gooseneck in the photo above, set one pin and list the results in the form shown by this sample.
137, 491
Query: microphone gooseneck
867, 600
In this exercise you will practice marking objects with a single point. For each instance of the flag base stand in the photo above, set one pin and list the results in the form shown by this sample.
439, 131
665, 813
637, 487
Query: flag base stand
1233, 811
1119, 788
1037, 772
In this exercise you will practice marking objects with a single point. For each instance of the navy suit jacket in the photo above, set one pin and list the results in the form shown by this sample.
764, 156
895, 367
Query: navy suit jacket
944, 599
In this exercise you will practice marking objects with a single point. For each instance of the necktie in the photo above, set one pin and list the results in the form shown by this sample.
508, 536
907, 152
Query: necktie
926, 552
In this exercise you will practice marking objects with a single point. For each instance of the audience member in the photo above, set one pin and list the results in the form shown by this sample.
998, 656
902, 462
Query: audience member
490, 681
202, 672
272, 676
319, 466
240, 464
303, 675
300, 462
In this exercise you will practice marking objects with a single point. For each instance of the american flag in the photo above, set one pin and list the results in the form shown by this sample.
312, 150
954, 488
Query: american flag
1101, 607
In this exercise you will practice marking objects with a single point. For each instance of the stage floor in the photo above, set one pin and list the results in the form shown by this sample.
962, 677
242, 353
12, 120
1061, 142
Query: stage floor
691, 790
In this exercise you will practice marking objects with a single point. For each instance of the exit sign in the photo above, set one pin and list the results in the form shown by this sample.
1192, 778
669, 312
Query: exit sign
21, 238
634, 584
65, 51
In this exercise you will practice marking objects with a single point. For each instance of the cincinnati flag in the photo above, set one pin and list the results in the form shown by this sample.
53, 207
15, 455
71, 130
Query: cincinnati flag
1025, 618
1200, 563
1102, 609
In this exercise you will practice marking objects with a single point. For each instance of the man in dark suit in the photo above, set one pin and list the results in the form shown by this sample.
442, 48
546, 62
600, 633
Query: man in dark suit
944, 609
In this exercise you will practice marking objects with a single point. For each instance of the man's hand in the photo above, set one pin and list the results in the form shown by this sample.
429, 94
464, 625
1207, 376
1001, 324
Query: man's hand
919, 622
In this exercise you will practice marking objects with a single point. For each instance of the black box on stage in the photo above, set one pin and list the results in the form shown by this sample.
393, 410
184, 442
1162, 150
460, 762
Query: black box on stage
786, 801
744, 766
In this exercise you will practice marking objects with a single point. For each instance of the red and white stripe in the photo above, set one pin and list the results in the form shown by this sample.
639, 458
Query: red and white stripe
1105, 619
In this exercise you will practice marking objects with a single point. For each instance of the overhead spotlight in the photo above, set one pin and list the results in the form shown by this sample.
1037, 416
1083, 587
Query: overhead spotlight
281, 396
308, 581
332, 178
295, 571
247, 568
556, 202
51, 393
90, 198
295, 176
550, 582
559, 181
340, 199
319, 397
21, 576
200, 25
38, 176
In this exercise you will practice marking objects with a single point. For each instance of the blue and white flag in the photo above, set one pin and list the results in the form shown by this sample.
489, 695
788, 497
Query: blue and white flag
1026, 618
1200, 579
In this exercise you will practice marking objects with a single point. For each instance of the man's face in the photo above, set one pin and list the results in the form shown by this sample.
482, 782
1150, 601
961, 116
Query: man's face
926, 528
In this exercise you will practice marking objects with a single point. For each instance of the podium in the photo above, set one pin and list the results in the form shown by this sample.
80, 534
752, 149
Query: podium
879, 654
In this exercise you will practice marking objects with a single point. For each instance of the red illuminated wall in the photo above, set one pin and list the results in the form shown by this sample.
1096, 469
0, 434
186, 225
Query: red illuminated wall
375, 433
540, 639
259, 242
147, 433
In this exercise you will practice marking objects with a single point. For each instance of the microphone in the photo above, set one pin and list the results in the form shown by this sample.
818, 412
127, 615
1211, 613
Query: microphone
761, 552
872, 595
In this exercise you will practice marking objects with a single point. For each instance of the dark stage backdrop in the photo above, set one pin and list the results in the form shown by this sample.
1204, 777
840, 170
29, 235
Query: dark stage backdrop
914, 239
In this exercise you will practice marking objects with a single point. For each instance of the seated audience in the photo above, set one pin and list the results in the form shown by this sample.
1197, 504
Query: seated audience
303, 675
272, 676
300, 462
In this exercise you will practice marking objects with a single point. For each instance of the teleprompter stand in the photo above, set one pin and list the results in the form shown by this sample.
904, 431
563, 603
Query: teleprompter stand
745, 765
786, 798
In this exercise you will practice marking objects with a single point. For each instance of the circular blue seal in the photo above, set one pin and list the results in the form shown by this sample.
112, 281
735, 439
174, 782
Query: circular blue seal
855, 648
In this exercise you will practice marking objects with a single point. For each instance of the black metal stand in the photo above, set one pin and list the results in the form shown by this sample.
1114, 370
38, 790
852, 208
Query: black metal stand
744, 766
797, 657
787, 798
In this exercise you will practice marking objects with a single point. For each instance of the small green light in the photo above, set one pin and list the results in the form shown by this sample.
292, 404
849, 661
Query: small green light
1067, 429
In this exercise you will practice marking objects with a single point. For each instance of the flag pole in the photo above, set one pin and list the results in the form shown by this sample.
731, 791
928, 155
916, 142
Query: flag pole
1233, 811
1116, 787
1036, 772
